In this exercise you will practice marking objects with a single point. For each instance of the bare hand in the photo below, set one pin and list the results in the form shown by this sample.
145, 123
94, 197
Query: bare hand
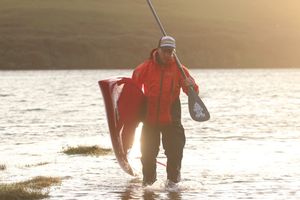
188, 82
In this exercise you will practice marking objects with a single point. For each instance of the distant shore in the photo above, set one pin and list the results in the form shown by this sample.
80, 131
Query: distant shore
120, 68
89, 34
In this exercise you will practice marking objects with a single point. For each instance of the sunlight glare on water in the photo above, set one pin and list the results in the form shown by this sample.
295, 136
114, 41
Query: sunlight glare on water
135, 152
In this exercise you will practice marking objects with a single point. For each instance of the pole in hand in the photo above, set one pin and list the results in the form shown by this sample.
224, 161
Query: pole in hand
197, 109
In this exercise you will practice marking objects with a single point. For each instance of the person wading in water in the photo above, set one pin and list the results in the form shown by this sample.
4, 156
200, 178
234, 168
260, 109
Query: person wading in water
161, 80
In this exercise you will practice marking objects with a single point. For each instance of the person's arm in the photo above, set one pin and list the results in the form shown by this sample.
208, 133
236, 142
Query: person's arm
189, 81
137, 75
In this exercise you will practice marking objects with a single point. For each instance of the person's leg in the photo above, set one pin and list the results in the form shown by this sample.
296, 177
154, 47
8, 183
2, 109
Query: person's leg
173, 139
150, 141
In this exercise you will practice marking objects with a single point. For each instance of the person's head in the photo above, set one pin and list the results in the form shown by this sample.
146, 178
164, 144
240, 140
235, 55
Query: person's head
166, 47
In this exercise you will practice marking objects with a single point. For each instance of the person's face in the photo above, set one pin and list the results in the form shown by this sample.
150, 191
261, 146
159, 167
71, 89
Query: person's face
165, 54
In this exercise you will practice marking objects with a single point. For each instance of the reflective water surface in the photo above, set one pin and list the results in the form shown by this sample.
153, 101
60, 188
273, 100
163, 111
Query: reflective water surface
248, 150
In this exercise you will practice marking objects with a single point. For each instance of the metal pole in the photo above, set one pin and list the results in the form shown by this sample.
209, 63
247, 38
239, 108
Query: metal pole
179, 65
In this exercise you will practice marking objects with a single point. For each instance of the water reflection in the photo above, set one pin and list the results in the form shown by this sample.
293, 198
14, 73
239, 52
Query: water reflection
150, 195
135, 190
175, 195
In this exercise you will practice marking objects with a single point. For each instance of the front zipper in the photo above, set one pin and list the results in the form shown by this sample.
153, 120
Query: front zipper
172, 88
159, 97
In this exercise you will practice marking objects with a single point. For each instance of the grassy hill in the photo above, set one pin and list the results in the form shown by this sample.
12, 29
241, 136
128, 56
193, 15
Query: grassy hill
63, 34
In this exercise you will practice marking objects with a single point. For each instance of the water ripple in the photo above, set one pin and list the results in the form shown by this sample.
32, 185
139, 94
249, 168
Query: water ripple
248, 150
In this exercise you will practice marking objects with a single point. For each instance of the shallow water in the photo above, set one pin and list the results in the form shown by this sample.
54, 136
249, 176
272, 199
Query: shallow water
248, 150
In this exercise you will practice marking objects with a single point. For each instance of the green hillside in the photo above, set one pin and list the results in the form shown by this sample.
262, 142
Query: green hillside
51, 34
